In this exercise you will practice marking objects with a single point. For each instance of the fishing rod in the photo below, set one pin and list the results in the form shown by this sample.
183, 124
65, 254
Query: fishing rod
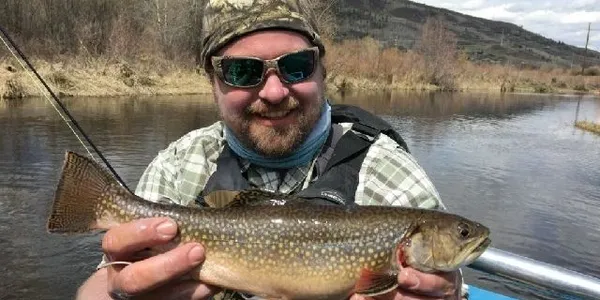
71, 119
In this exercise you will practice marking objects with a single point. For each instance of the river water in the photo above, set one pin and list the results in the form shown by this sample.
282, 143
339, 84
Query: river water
513, 162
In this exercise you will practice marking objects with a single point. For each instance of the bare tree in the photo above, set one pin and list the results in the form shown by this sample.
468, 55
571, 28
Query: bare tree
323, 13
119, 29
437, 45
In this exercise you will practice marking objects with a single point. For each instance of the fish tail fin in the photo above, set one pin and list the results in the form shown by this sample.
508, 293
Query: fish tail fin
78, 200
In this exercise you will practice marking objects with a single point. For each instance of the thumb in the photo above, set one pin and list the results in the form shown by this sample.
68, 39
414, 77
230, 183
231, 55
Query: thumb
407, 279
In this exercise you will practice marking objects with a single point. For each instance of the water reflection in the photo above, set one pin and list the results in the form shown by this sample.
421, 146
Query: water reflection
515, 162
447, 105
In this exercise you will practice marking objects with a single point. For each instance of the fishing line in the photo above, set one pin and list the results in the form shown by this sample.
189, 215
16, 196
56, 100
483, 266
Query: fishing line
42, 92
69, 119
111, 263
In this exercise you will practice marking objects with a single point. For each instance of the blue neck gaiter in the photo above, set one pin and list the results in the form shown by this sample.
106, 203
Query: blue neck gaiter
301, 156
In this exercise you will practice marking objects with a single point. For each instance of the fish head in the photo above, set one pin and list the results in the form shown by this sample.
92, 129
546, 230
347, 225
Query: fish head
443, 243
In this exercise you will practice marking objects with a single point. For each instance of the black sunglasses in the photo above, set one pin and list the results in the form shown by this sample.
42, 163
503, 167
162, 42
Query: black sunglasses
247, 71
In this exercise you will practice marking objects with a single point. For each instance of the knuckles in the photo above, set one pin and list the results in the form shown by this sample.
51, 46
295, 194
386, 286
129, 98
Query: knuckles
127, 283
110, 242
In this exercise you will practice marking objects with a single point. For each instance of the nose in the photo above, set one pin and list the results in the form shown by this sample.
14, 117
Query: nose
273, 90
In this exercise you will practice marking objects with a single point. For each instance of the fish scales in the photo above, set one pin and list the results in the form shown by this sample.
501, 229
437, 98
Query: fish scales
292, 251
292, 239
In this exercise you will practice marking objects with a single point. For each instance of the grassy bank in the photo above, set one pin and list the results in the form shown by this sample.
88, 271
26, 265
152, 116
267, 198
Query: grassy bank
365, 64
351, 65
589, 126
72, 76
114, 48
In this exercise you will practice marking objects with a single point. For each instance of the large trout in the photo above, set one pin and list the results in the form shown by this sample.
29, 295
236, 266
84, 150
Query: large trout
293, 251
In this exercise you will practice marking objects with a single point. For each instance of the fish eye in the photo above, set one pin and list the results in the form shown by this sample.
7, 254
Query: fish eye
464, 230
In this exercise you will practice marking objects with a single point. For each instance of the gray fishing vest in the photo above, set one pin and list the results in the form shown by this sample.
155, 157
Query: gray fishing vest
337, 170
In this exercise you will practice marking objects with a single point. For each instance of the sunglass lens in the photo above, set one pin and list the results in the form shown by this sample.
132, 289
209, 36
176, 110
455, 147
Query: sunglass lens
242, 71
297, 66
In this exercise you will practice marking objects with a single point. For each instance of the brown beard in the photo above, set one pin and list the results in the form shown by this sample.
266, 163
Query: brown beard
270, 141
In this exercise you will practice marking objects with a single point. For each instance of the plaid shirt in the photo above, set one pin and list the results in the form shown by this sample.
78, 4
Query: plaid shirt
388, 176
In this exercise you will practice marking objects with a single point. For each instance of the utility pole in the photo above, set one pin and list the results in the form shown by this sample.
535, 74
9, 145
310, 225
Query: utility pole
502, 38
572, 59
587, 40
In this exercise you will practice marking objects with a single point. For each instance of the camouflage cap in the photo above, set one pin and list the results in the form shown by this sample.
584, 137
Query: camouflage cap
227, 20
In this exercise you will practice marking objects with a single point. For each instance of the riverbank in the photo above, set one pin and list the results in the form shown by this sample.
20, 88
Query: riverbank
361, 65
366, 64
588, 126
102, 77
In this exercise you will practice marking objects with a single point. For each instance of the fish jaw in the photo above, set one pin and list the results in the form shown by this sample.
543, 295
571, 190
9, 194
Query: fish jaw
477, 251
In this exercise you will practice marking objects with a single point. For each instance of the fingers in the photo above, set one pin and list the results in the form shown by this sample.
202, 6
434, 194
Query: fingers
396, 295
415, 285
404, 295
146, 275
188, 290
437, 285
119, 243
158, 276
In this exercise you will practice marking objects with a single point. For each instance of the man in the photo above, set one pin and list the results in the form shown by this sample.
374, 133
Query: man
278, 133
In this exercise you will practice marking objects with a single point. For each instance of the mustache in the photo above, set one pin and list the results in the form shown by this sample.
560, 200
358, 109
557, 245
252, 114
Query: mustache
262, 107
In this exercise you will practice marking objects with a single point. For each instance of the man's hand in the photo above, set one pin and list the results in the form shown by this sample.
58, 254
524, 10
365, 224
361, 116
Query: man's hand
157, 277
415, 285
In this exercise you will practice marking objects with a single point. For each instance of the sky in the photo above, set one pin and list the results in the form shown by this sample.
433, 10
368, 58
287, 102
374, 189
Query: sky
560, 20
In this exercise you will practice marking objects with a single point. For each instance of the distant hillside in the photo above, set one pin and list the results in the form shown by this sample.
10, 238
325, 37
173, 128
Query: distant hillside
398, 22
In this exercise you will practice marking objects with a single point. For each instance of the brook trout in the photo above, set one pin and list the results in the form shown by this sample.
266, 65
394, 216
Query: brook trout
294, 251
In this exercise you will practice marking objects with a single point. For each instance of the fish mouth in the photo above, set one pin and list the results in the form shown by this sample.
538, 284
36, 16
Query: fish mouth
483, 245
477, 250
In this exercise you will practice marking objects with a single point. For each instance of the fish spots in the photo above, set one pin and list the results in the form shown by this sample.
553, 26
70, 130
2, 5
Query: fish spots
294, 244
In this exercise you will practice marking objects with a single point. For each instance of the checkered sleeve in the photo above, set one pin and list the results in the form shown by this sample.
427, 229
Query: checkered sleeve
391, 176
158, 180
179, 172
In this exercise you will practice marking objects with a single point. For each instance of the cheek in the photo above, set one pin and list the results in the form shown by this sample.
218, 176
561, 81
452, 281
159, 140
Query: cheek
307, 92
232, 100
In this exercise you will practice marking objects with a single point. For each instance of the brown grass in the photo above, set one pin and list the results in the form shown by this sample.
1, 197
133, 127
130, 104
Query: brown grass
114, 48
351, 65
101, 77
365, 64
589, 126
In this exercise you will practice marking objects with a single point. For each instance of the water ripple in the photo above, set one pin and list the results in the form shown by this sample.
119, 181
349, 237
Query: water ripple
513, 162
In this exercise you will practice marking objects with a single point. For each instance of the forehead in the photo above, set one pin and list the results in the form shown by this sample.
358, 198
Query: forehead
266, 44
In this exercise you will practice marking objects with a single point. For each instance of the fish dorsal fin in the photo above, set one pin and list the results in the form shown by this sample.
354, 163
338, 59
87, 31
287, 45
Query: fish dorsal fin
252, 197
373, 283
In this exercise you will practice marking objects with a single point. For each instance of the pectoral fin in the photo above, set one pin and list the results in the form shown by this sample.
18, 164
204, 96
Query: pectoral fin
373, 283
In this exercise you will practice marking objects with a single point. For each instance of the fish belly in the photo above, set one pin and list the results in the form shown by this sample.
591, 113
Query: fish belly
283, 282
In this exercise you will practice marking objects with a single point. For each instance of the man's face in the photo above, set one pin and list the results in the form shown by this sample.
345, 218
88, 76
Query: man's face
274, 117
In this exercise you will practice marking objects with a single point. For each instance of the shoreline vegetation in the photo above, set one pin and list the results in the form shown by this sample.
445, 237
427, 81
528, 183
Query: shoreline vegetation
588, 126
352, 65
112, 48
